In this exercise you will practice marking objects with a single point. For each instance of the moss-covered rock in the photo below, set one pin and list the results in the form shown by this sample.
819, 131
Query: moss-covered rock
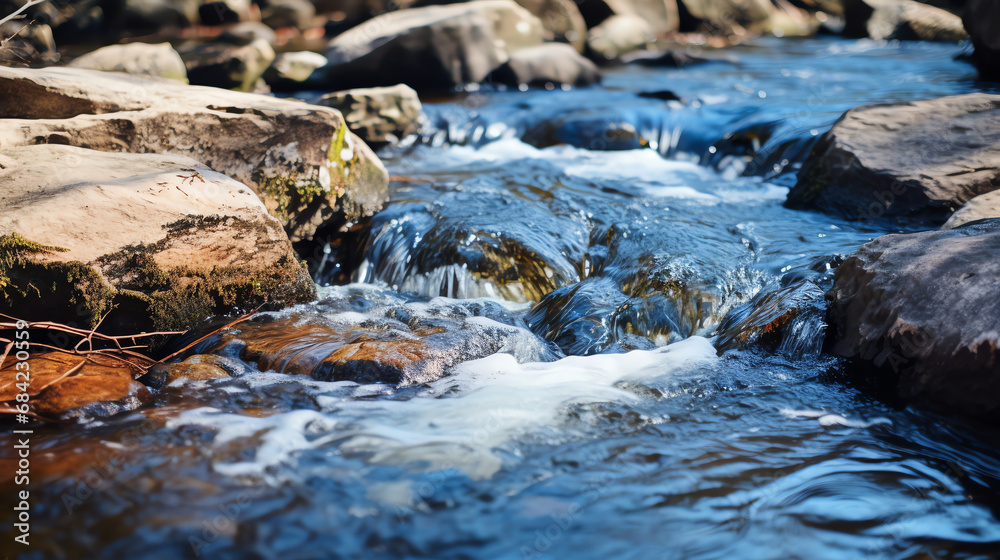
160, 242
300, 159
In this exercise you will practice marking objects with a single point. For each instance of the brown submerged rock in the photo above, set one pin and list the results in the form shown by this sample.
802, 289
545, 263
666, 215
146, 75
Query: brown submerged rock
916, 159
392, 342
301, 160
162, 239
95, 385
925, 308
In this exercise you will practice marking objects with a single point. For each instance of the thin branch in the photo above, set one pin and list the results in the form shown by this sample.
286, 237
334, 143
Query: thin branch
17, 12
222, 328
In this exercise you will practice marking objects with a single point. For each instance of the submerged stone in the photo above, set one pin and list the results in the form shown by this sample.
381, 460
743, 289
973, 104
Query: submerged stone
377, 338
72, 386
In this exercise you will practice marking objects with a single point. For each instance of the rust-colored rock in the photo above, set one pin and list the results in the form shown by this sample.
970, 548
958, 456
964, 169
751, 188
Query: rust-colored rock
96, 385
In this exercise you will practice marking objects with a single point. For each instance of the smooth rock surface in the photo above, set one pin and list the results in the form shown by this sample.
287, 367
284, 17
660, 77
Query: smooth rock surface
547, 65
924, 307
160, 241
618, 35
396, 342
903, 20
979, 208
919, 159
228, 66
982, 21
291, 71
139, 59
661, 16
96, 386
378, 115
300, 159
435, 48
561, 19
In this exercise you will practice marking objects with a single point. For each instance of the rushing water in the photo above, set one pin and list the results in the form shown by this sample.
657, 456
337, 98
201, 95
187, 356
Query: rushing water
574, 253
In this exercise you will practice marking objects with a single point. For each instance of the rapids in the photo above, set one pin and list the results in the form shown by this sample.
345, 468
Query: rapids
610, 242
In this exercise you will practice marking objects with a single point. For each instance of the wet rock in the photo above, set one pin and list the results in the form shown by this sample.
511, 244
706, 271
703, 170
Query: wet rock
378, 115
287, 13
725, 17
585, 130
83, 21
676, 58
981, 19
153, 15
979, 208
901, 20
918, 159
158, 241
139, 59
246, 33
661, 16
769, 318
922, 310
562, 20
629, 292
473, 245
200, 367
435, 48
393, 342
68, 386
618, 35
292, 71
546, 65
301, 160
224, 11
229, 66
31, 44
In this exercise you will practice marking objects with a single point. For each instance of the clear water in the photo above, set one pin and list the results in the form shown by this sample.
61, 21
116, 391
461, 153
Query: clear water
608, 426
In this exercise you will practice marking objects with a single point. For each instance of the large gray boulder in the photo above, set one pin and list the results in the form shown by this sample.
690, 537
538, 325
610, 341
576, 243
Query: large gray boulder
925, 308
918, 159
302, 160
139, 59
982, 21
434, 48
160, 241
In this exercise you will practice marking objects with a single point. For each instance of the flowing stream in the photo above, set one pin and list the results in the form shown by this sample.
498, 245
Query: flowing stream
573, 262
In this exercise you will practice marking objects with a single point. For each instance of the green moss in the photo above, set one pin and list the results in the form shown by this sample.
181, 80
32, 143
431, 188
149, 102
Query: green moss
145, 296
288, 196
71, 292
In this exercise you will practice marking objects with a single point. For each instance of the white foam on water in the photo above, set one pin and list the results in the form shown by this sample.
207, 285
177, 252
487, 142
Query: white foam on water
829, 419
462, 421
